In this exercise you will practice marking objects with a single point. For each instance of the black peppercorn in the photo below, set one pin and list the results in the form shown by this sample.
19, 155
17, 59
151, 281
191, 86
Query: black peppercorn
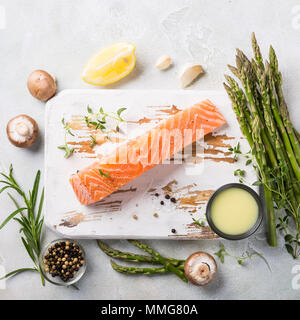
162, 203
167, 196
173, 200
63, 259
173, 231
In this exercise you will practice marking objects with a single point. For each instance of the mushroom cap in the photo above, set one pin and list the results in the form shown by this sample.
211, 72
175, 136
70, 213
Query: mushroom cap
41, 85
200, 268
22, 131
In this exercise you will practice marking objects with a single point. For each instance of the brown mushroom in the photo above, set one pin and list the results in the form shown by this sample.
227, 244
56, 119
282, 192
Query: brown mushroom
22, 131
200, 268
41, 85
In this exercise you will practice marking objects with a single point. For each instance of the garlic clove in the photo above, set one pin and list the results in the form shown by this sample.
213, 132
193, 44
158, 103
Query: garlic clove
163, 62
189, 74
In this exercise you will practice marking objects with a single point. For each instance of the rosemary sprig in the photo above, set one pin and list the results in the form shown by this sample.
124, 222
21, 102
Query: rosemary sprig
29, 216
68, 151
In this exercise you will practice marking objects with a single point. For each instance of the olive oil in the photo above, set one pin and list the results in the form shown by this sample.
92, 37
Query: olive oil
234, 211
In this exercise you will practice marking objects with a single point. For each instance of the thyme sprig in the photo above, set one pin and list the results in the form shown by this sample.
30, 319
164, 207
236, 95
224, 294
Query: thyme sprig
29, 216
93, 141
199, 222
240, 174
248, 254
99, 119
68, 151
278, 176
106, 175
236, 151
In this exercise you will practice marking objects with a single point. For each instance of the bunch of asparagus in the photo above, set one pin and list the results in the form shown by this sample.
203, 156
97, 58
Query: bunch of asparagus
262, 113
168, 264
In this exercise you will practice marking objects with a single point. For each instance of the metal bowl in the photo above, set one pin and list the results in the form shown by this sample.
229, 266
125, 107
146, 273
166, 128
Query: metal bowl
249, 232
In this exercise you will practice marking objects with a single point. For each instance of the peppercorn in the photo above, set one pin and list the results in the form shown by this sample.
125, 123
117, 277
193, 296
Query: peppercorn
173, 231
63, 259
156, 194
162, 203
173, 200
167, 196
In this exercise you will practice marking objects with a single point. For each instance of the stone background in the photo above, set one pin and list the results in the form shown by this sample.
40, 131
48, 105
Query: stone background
60, 36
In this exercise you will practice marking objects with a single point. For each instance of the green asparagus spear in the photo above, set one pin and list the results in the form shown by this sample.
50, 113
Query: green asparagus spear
282, 109
270, 133
135, 270
170, 267
128, 256
257, 52
248, 79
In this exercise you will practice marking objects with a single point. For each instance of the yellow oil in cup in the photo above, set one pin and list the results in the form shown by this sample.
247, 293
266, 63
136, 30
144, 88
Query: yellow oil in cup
234, 211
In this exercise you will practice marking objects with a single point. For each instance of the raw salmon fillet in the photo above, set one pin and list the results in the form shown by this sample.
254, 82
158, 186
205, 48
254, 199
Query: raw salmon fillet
135, 157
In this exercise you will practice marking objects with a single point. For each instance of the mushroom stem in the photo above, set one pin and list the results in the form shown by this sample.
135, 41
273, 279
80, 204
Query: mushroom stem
22, 131
22, 128
200, 268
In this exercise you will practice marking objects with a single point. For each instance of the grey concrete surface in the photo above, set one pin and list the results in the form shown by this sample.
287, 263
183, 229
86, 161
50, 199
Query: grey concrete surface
60, 36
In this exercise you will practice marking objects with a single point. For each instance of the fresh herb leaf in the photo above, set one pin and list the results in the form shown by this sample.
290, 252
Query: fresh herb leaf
249, 161
199, 223
99, 120
104, 174
68, 151
15, 272
236, 151
257, 183
30, 221
11, 216
93, 141
248, 254
239, 172
221, 253
120, 111
89, 109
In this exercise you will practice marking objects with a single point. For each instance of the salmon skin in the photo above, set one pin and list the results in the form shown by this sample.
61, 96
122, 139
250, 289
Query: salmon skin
135, 157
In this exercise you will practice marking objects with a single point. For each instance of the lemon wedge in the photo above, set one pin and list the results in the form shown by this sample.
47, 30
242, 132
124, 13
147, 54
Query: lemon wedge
110, 64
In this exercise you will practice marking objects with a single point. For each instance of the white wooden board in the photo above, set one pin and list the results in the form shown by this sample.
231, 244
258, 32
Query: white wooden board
130, 212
